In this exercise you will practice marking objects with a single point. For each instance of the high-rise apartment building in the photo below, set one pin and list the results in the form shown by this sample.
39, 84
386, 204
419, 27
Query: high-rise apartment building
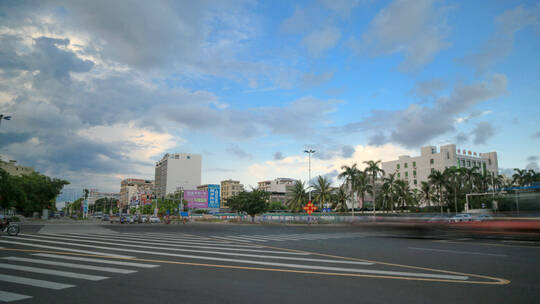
177, 171
229, 188
417, 169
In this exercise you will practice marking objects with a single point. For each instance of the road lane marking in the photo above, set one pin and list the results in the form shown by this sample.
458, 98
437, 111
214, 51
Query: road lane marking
10, 296
493, 280
239, 238
66, 249
202, 251
66, 274
123, 240
157, 248
34, 282
219, 237
102, 261
71, 265
457, 251
485, 244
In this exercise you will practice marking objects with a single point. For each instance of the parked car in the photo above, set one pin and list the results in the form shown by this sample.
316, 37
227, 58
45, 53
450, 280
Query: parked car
438, 219
462, 217
105, 217
483, 217
155, 219
144, 218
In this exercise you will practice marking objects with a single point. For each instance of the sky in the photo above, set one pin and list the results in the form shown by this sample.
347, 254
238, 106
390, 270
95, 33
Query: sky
100, 90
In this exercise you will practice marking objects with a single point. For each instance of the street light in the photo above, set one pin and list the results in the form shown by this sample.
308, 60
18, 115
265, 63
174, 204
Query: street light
2, 117
309, 152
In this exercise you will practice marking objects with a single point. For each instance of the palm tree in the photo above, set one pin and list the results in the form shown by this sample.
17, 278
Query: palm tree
297, 196
322, 190
386, 194
425, 192
404, 193
348, 174
437, 179
361, 185
390, 184
341, 197
452, 176
519, 177
374, 171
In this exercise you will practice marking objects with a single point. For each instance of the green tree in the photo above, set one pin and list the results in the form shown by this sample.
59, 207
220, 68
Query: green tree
453, 178
349, 173
252, 203
436, 178
426, 193
10, 191
390, 182
297, 196
322, 191
340, 199
362, 186
276, 206
373, 171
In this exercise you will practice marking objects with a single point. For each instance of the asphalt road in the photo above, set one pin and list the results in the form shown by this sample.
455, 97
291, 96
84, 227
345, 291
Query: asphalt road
226, 263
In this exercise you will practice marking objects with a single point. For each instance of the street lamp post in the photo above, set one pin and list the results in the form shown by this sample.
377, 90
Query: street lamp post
309, 152
2, 117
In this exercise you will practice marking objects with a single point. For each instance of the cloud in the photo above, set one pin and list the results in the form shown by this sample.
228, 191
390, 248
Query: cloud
415, 28
461, 138
482, 132
343, 7
418, 124
238, 152
501, 43
428, 88
347, 151
278, 156
533, 166
472, 115
220, 170
299, 22
319, 41
313, 79
532, 158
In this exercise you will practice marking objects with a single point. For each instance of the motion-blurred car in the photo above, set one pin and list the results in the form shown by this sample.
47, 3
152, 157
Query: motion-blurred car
155, 219
438, 219
463, 217
483, 217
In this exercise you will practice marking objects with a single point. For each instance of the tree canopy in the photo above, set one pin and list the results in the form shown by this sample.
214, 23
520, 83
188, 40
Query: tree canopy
252, 203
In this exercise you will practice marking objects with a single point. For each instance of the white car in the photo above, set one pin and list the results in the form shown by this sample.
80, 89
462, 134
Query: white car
463, 217
155, 219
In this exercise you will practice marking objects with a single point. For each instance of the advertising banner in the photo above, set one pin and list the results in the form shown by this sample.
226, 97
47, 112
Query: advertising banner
213, 196
196, 198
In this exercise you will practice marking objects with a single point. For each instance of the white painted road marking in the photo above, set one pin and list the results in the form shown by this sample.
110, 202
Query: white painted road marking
66, 257
10, 296
66, 274
71, 265
33, 282
458, 251
66, 249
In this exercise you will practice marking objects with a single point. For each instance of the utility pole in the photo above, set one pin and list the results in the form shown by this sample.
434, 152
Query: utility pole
309, 152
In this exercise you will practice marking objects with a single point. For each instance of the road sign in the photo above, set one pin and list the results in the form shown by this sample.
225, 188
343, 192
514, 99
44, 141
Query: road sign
310, 208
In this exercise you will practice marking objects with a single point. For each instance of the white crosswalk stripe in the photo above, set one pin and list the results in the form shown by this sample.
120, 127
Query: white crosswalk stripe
287, 237
11, 296
70, 265
101, 261
33, 282
47, 271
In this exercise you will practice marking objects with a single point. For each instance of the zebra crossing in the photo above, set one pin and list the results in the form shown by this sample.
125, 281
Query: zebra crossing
247, 238
101, 256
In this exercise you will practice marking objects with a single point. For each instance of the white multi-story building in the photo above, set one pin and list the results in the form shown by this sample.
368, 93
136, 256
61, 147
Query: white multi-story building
177, 171
417, 169
277, 188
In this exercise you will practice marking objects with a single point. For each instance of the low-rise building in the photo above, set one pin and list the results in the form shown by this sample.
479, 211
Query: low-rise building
12, 168
278, 188
134, 191
229, 188
95, 194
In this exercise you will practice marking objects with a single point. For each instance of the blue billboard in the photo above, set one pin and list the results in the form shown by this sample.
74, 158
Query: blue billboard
213, 196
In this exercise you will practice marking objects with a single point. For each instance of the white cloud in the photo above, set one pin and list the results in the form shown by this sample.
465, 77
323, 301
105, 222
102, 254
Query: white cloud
415, 28
320, 41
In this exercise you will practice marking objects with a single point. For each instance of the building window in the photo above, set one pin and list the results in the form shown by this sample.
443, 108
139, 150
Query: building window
414, 173
414, 164
447, 155
489, 161
432, 170
398, 166
406, 174
188, 157
469, 163
399, 175
405, 165
415, 182
431, 161
433, 150
463, 163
